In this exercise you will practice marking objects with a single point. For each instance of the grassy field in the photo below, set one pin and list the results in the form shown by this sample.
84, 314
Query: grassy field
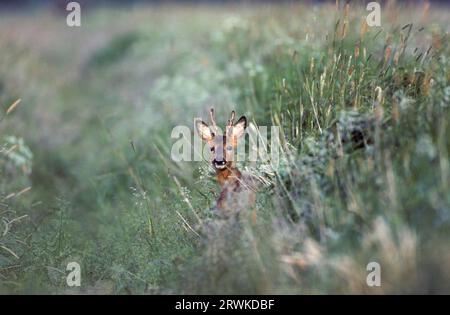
86, 172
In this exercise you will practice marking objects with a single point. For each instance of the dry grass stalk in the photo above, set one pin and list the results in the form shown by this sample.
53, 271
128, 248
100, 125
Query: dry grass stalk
13, 106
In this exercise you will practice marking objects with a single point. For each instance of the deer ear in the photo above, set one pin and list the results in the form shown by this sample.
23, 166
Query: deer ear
204, 131
239, 127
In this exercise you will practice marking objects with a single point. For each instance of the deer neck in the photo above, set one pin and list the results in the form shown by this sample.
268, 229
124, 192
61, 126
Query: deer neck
228, 174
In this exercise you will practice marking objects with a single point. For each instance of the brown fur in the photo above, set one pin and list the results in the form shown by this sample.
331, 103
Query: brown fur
237, 194
237, 189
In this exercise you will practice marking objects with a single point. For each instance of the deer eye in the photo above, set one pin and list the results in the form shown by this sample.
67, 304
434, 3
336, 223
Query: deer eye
229, 148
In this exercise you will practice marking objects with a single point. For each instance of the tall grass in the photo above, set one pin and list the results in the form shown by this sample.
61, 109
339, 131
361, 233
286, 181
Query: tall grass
363, 174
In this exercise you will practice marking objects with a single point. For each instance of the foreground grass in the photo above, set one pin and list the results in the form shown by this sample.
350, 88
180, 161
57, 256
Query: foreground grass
97, 112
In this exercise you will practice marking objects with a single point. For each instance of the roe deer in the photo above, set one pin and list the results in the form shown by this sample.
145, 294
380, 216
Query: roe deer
237, 188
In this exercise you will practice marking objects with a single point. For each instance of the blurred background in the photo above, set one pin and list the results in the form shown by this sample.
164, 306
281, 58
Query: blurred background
85, 141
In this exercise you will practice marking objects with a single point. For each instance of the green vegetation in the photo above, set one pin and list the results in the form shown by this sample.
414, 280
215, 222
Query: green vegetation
92, 138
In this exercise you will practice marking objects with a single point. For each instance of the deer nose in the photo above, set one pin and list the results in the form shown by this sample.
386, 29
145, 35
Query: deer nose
223, 162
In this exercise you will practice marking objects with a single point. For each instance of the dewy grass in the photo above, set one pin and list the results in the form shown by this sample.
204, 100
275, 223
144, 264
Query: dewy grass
363, 174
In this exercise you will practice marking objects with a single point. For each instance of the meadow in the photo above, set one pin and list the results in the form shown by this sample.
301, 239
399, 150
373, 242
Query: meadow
86, 173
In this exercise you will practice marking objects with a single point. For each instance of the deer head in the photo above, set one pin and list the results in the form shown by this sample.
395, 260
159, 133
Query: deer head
222, 146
